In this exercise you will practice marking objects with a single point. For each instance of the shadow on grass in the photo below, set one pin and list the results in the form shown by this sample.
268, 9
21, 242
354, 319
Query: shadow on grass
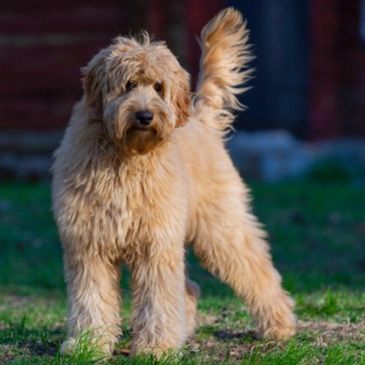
227, 335
33, 341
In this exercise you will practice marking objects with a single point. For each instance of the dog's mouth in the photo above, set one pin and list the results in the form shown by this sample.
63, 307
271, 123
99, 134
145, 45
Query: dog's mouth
142, 129
141, 139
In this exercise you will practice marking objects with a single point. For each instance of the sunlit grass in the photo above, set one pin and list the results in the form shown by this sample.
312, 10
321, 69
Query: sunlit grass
317, 238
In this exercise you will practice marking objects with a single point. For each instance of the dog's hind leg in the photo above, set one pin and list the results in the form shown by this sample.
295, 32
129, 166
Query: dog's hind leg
231, 245
94, 302
192, 293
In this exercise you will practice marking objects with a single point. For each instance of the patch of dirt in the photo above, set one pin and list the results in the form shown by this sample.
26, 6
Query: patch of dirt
215, 350
14, 301
224, 344
330, 332
205, 319
229, 335
9, 301
6, 354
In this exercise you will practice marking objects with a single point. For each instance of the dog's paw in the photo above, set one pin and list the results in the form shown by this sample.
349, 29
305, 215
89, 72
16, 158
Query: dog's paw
94, 347
279, 328
278, 322
68, 346
278, 333
158, 352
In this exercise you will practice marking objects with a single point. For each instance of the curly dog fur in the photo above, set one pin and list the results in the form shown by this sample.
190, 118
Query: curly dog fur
142, 171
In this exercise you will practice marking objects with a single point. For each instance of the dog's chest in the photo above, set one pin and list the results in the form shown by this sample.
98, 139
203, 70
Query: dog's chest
131, 211
127, 211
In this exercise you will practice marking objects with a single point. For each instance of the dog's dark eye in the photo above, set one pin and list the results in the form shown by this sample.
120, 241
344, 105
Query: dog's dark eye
158, 87
130, 85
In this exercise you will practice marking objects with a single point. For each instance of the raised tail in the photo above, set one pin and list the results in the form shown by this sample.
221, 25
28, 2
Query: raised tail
223, 69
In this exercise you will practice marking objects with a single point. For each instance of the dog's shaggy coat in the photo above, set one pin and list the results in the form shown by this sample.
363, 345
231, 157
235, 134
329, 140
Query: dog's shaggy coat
139, 189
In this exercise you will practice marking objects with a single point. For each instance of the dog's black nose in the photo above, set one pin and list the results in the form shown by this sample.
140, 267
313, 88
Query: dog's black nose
144, 117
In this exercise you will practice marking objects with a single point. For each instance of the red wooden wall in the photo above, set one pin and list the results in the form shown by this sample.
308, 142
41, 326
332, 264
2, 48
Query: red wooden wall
337, 92
43, 44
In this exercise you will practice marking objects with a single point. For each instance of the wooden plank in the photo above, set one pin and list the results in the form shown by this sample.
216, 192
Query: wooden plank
325, 69
196, 20
35, 114
33, 6
337, 74
45, 68
79, 19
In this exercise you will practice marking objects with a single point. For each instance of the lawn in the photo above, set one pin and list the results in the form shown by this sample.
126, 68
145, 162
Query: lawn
317, 236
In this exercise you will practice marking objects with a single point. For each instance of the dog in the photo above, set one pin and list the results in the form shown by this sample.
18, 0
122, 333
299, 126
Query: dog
142, 171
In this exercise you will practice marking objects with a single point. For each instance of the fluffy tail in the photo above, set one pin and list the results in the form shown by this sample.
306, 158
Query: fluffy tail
223, 69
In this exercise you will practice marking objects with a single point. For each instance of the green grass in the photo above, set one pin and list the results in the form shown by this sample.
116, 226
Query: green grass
317, 238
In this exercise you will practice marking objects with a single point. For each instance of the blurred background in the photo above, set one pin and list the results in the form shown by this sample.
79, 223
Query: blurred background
309, 82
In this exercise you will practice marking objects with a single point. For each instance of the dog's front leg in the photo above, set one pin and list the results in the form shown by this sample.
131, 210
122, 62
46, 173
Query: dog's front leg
159, 320
93, 301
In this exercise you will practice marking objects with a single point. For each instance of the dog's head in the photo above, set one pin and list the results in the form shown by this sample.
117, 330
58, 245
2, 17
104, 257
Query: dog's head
139, 91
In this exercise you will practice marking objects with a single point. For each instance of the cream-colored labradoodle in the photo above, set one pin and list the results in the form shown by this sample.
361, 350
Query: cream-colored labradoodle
140, 173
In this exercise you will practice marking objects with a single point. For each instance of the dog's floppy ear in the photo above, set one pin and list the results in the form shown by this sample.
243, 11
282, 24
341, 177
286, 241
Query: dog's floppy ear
93, 75
181, 97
